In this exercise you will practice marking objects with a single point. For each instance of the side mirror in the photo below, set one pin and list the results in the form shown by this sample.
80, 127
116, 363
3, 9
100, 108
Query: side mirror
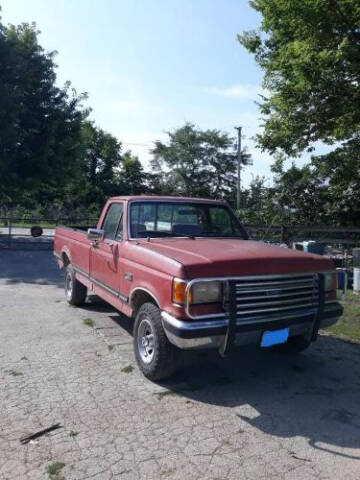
95, 234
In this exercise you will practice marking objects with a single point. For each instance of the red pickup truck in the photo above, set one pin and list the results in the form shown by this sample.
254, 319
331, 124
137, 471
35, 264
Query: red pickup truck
186, 271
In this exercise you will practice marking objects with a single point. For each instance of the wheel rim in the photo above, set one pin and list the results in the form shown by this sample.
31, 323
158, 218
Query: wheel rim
145, 341
68, 286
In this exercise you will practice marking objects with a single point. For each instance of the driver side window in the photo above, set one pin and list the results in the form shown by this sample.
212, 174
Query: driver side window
112, 225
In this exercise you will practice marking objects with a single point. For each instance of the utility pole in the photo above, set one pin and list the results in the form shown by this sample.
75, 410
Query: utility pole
238, 168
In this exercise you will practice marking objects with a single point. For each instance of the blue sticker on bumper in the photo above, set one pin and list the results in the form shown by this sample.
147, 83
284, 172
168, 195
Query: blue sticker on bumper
275, 337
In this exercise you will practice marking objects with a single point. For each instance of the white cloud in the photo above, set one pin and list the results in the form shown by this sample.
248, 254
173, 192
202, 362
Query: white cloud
245, 91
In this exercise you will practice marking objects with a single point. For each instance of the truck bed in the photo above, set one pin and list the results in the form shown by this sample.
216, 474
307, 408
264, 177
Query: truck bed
72, 241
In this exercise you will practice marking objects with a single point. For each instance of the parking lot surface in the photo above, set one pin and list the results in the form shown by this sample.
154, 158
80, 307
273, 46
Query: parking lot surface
255, 415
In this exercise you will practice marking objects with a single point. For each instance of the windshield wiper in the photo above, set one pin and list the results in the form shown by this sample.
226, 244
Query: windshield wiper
159, 234
219, 235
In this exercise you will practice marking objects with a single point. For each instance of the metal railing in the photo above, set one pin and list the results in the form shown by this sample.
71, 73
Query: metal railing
347, 236
18, 232
15, 232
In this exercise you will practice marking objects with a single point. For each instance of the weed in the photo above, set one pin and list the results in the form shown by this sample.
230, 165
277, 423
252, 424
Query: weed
14, 373
166, 393
54, 470
73, 434
127, 369
111, 347
88, 322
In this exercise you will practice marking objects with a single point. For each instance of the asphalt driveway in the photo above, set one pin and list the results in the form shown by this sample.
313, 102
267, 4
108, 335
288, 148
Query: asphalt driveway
255, 415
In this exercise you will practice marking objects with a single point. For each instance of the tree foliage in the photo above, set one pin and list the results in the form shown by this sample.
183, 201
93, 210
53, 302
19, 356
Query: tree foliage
131, 178
50, 154
310, 53
258, 203
196, 162
40, 123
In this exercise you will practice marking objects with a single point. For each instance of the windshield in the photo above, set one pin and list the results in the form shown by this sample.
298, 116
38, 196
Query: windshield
165, 219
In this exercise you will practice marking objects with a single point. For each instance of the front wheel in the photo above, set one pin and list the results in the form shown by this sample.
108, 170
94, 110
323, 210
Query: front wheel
155, 355
75, 292
294, 345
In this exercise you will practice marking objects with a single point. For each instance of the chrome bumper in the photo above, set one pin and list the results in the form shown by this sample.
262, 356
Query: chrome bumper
210, 333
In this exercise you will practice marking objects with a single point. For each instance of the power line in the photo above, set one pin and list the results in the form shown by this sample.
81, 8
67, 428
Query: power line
137, 144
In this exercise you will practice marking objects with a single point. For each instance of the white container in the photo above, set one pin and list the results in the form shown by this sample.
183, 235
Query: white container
356, 285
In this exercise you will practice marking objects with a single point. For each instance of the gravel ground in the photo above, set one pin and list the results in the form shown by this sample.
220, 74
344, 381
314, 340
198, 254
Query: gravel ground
256, 415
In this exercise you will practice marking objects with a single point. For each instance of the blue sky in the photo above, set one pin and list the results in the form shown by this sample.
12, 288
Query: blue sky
151, 65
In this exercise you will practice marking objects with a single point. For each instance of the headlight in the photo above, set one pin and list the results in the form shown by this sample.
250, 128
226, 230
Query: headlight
330, 281
200, 292
206, 292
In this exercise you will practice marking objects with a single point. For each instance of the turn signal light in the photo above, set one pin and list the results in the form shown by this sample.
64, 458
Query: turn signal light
179, 291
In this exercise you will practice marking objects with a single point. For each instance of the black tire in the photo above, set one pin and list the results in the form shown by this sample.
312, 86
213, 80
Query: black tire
157, 359
75, 292
36, 231
294, 345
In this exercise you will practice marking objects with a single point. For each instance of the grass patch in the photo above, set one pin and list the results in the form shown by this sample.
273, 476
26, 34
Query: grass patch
26, 224
54, 469
348, 327
88, 322
73, 434
127, 369
14, 373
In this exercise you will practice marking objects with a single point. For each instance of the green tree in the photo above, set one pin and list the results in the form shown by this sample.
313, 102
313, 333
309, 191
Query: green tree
40, 123
300, 194
310, 53
338, 172
196, 162
258, 203
131, 178
101, 157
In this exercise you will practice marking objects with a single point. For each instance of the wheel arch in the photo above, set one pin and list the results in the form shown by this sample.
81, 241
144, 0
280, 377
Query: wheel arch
65, 257
139, 296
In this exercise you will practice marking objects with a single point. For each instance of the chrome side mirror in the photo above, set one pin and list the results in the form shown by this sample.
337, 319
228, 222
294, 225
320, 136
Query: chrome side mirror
94, 234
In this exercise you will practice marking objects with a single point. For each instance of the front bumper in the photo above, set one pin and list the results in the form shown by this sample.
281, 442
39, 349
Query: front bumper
210, 333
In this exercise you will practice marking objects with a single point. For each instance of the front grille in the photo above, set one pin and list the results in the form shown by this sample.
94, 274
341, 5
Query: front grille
280, 295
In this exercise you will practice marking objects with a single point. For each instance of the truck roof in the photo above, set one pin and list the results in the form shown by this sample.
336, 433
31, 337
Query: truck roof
166, 198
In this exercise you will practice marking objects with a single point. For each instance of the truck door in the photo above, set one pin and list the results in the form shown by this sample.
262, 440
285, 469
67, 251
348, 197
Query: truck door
105, 255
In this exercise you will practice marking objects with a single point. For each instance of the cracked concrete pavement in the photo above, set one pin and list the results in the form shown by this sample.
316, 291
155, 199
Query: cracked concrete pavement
255, 415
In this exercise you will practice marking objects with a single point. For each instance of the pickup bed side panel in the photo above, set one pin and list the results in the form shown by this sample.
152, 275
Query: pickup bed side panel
75, 245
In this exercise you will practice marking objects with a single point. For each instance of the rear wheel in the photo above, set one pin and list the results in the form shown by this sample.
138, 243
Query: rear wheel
294, 345
75, 292
155, 355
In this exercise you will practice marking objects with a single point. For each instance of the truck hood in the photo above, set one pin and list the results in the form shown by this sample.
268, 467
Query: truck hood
230, 257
